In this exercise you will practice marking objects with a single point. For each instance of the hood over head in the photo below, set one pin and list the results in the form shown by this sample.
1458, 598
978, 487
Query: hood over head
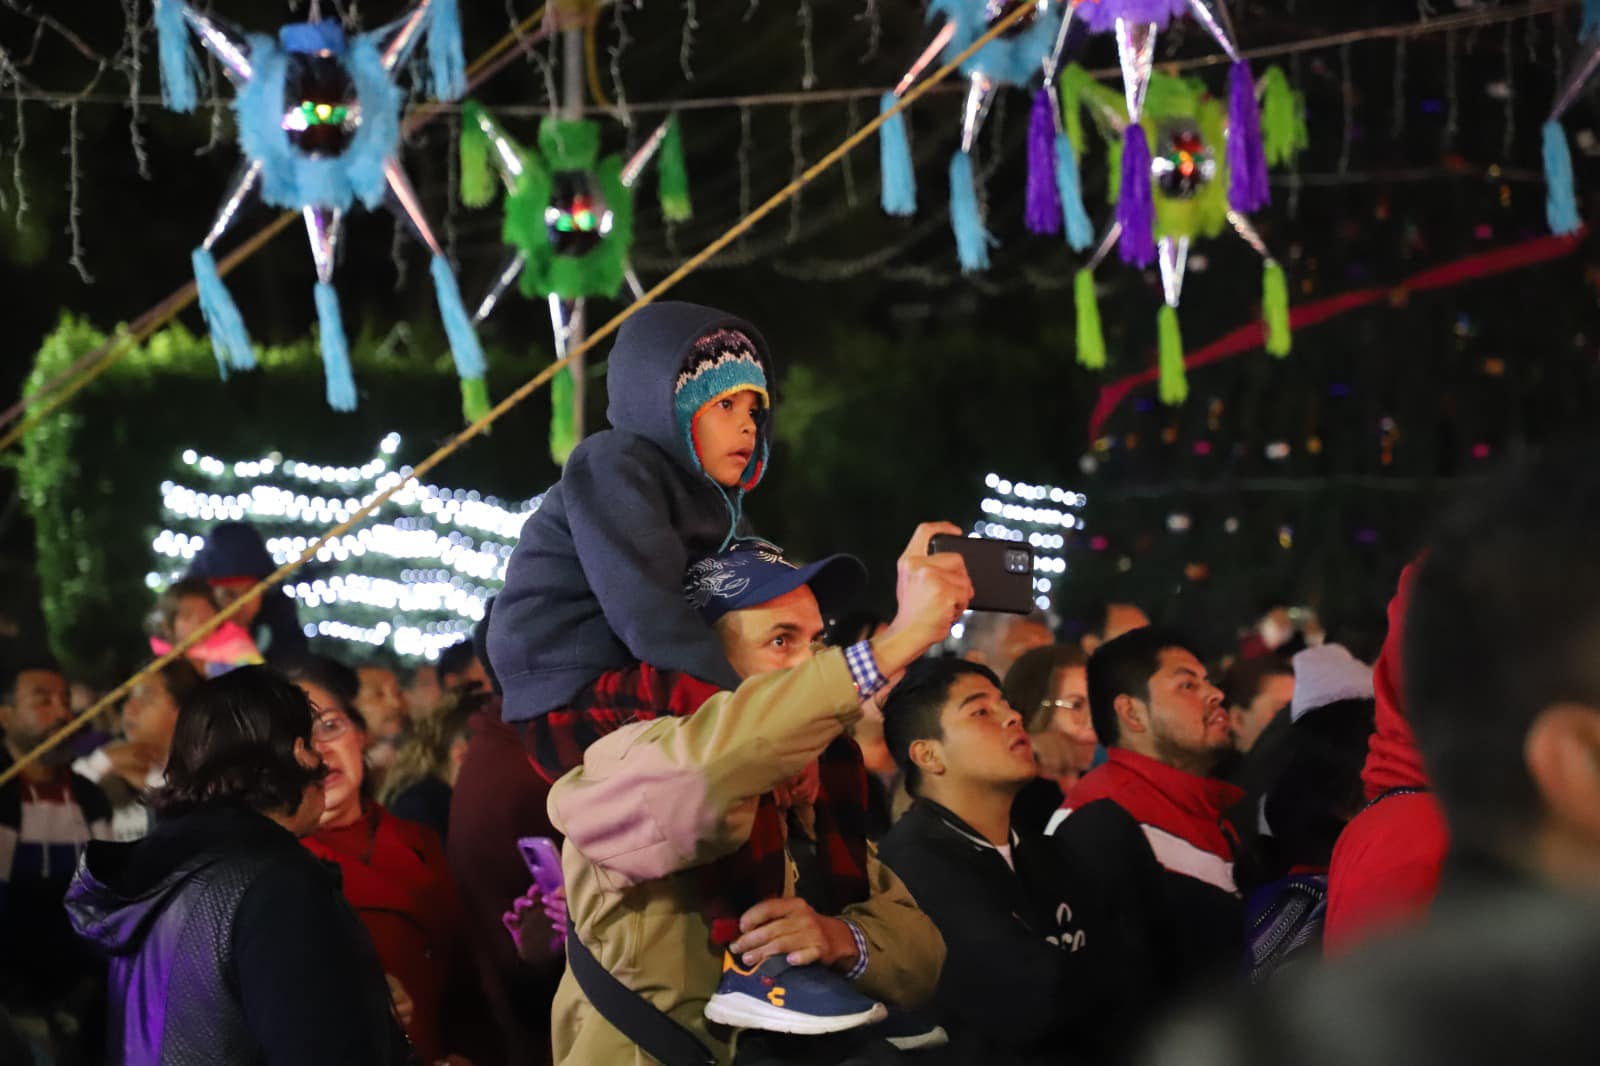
233, 550
653, 350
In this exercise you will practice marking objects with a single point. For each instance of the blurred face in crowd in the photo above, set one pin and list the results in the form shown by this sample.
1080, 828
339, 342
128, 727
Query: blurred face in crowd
1183, 723
776, 635
192, 613
725, 436
1124, 618
424, 693
1021, 637
340, 742
38, 707
473, 678
227, 592
1120, 618
1246, 724
381, 702
983, 744
150, 715
1070, 700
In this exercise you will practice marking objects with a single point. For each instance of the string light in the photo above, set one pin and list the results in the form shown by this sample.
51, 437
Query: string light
414, 579
1035, 515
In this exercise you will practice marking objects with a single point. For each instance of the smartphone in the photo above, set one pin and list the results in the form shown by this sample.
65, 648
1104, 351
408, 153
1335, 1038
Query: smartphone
544, 862
1001, 571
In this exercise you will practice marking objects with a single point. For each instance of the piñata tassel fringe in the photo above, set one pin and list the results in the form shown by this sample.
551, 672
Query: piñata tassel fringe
464, 345
447, 66
180, 67
1173, 384
1275, 309
474, 399
1561, 201
1283, 119
673, 191
899, 194
477, 183
1135, 207
1080, 231
1042, 208
1248, 191
229, 339
972, 240
341, 383
1074, 81
563, 419
1091, 338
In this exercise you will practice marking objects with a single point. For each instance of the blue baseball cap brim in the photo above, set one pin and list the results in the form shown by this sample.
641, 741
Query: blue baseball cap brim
736, 580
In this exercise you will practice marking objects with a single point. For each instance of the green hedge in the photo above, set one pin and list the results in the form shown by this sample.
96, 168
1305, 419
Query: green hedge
90, 472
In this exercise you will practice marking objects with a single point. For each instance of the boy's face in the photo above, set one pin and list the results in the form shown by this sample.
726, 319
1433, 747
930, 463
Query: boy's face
192, 613
984, 740
725, 436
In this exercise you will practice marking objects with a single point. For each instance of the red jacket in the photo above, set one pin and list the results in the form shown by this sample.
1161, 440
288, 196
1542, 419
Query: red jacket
1173, 803
1159, 843
396, 880
1385, 868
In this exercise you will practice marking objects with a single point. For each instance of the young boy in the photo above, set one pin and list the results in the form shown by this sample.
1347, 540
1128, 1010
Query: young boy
187, 605
596, 581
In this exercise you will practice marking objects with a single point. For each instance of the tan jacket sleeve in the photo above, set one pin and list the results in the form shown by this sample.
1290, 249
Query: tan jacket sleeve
654, 798
905, 952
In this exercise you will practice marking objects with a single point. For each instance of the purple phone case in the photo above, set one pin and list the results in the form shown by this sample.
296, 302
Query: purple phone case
543, 860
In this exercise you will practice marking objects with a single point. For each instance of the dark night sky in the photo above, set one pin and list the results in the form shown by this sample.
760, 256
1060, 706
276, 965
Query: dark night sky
1387, 190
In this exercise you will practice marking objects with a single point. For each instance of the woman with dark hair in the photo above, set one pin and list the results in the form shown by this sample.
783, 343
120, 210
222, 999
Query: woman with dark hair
228, 943
394, 871
1049, 687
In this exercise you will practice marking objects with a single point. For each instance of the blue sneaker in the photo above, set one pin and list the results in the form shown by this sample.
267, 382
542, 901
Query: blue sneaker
779, 998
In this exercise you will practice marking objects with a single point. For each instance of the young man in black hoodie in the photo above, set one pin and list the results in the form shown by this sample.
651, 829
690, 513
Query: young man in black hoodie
1043, 966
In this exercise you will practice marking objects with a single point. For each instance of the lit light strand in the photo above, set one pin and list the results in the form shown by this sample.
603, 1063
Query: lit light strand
1042, 516
416, 580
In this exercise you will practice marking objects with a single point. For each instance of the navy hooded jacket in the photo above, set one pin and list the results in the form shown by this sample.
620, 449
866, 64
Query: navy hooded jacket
236, 550
596, 580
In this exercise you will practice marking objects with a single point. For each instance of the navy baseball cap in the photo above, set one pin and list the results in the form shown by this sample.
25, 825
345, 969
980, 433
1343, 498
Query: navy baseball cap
753, 572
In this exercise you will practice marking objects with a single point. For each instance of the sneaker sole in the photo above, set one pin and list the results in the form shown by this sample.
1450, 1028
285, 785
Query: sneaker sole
740, 1011
935, 1037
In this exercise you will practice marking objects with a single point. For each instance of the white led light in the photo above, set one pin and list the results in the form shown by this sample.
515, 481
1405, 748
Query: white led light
454, 542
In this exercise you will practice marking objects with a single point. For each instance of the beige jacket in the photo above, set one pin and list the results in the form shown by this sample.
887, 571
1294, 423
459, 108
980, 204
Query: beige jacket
656, 799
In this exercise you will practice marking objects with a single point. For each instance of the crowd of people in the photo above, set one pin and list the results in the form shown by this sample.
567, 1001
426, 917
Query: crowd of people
791, 832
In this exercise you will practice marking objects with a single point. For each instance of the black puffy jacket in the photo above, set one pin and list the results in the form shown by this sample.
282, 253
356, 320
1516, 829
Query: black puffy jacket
229, 943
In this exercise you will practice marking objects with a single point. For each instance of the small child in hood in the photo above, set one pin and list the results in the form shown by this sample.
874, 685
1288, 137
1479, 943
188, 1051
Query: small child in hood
595, 587
184, 607
596, 581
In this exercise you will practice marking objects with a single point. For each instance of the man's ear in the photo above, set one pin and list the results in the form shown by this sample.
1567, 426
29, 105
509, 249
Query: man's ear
1562, 750
1132, 714
1089, 642
928, 757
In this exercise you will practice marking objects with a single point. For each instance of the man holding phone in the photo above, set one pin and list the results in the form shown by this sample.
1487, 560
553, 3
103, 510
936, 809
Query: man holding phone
657, 804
